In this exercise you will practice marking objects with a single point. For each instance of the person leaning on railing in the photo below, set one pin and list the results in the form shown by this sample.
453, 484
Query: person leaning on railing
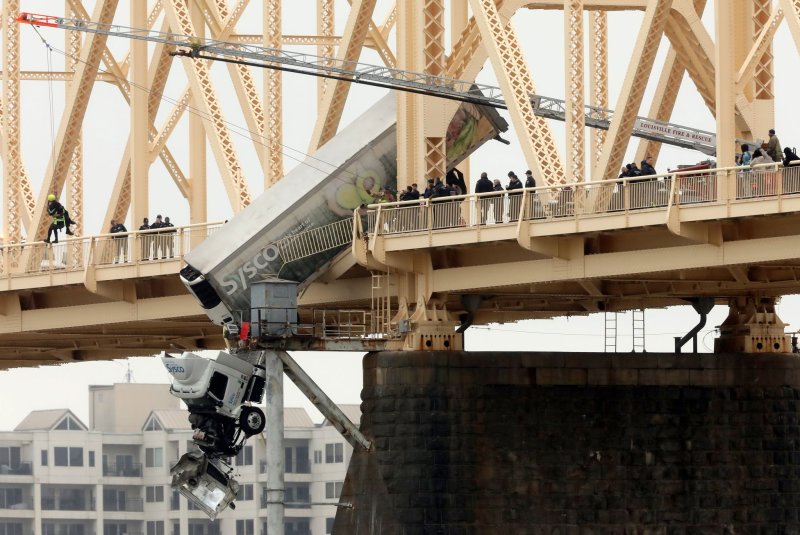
120, 242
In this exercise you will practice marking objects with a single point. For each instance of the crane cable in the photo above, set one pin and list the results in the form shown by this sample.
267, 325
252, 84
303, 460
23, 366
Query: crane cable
51, 98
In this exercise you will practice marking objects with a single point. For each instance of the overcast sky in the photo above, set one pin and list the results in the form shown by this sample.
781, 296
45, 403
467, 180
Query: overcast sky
105, 134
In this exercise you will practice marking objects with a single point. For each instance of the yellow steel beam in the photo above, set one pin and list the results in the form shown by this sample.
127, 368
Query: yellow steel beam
630, 97
574, 113
330, 109
598, 75
511, 69
272, 132
203, 88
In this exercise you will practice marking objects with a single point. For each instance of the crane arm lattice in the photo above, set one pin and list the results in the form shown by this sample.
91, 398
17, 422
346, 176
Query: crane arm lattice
375, 75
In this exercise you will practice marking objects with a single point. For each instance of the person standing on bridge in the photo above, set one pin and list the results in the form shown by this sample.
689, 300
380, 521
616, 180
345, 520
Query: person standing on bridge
789, 156
169, 238
647, 166
774, 146
120, 242
158, 241
145, 239
484, 185
514, 195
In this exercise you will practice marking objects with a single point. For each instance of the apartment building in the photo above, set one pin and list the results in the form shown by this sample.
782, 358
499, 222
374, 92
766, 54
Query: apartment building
59, 476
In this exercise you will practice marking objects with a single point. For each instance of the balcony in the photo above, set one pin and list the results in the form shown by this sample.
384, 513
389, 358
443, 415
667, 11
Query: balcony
123, 470
135, 505
67, 504
22, 469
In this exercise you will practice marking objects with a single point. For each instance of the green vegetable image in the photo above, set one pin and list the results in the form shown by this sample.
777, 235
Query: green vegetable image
464, 139
347, 197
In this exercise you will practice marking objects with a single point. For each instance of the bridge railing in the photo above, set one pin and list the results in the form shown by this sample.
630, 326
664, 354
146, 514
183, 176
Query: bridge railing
585, 200
76, 254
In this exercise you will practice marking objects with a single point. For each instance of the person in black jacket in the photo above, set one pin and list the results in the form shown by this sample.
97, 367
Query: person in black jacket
158, 239
60, 217
530, 182
146, 240
484, 185
789, 157
647, 166
514, 196
120, 242
169, 239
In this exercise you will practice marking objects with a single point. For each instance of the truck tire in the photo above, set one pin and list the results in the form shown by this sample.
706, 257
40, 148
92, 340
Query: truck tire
252, 420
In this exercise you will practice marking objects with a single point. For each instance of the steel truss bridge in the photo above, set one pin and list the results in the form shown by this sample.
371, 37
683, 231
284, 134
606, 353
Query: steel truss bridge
579, 243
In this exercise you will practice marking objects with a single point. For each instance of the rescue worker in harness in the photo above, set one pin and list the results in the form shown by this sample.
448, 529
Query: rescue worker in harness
60, 217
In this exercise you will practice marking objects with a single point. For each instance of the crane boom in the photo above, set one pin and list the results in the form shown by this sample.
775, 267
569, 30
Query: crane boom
377, 76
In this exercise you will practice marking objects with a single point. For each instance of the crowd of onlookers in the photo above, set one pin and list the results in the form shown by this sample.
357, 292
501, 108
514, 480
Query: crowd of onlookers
153, 244
769, 152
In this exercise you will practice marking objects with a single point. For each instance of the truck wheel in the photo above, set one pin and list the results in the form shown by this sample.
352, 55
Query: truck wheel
252, 420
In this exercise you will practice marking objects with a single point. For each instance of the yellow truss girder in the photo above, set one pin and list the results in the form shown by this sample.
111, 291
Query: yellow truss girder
630, 98
202, 87
511, 69
329, 112
574, 109
598, 75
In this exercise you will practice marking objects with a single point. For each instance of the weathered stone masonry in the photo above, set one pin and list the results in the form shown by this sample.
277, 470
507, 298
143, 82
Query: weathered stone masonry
515, 443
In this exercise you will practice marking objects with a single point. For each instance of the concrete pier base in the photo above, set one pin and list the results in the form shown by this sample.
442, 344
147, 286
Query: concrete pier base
518, 443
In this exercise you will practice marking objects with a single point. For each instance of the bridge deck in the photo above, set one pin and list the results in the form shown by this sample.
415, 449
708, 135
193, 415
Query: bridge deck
545, 252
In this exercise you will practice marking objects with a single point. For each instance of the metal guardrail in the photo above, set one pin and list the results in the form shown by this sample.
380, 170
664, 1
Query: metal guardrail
76, 254
584, 200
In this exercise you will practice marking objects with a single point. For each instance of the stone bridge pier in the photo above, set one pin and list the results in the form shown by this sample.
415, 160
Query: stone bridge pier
528, 443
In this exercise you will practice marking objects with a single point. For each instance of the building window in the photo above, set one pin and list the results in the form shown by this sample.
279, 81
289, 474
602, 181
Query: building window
10, 528
297, 495
154, 494
175, 501
334, 453
153, 457
155, 527
10, 497
44, 457
114, 528
69, 424
329, 525
68, 456
317, 456
153, 425
91, 458
176, 528
10, 457
245, 492
297, 460
245, 527
297, 526
333, 489
245, 456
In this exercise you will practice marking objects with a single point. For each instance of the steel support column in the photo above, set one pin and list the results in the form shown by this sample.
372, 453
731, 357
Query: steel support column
574, 115
274, 441
725, 78
139, 146
433, 118
198, 186
11, 123
273, 99
598, 75
325, 27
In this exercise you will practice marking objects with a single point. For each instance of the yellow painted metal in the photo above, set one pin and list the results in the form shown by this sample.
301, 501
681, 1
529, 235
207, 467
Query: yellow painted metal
598, 75
725, 79
139, 144
330, 110
515, 79
273, 98
12, 163
630, 97
203, 88
574, 90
